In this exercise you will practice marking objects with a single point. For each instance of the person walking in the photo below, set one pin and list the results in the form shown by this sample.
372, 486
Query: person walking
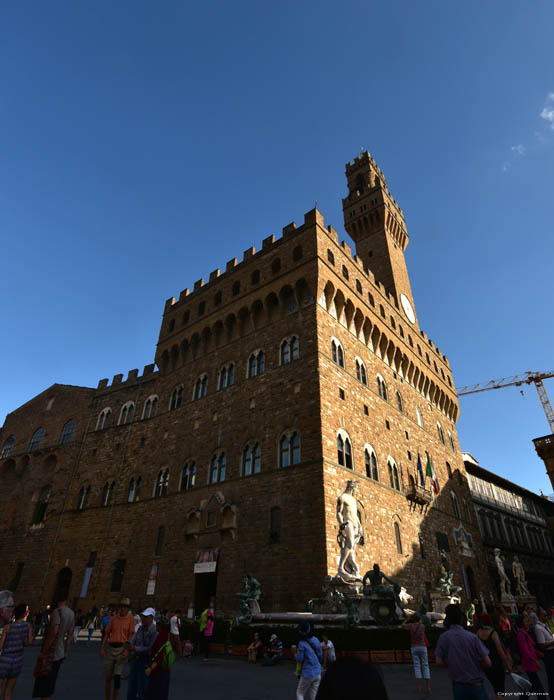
464, 655
15, 637
529, 655
158, 685
310, 657
207, 624
91, 625
419, 651
545, 642
55, 647
499, 660
175, 632
141, 643
120, 630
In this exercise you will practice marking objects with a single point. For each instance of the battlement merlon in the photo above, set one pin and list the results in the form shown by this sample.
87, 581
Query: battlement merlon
133, 376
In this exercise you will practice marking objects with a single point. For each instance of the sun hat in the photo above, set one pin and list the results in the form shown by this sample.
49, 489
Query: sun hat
149, 611
273, 638
125, 602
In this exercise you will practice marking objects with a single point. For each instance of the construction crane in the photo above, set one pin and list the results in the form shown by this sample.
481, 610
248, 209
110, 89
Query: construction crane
535, 378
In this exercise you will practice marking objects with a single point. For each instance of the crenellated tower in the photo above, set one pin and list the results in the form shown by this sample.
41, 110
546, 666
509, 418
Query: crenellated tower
375, 222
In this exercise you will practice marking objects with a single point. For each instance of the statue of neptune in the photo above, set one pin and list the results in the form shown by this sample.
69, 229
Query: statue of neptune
350, 534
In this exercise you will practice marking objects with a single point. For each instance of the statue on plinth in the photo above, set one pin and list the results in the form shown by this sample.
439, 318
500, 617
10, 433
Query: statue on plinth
505, 591
519, 575
249, 599
350, 534
446, 585
374, 587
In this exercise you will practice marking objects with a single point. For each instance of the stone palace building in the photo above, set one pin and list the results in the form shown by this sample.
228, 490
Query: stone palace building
276, 380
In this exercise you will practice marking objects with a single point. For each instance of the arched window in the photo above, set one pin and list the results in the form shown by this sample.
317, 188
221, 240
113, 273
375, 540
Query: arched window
344, 450
103, 419
344, 272
449, 470
467, 512
289, 350
330, 257
440, 431
68, 432
150, 407
393, 475
188, 476
133, 493
8, 447
218, 467
251, 460
126, 414
455, 506
176, 398
361, 374
200, 387
289, 449
382, 388
451, 441
107, 493
226, 376
161, 484
337, 353
256, 363
399, 402
370, 458
419, 417
82, 499
398, 538
37, 438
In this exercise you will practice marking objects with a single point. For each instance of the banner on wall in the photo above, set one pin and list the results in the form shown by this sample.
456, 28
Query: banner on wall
206, 561
151, 586
86, 581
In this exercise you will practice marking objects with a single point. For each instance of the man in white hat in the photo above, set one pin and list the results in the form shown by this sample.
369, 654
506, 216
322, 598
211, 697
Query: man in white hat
141, 644
274, 653
119, 631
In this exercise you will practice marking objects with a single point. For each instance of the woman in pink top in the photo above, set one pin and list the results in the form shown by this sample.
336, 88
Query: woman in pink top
419, 651
529, 655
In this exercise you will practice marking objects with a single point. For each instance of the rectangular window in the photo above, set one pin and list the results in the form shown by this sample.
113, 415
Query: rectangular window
210, 518
366, 410
117, 575
341, 394
387, 425
160, 541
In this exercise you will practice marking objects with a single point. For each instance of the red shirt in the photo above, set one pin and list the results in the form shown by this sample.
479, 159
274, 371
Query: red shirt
161, 639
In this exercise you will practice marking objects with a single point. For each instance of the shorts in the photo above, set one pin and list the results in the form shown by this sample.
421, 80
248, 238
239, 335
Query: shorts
113, 663
44, 687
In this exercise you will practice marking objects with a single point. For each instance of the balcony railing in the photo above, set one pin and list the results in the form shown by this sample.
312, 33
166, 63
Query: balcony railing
419, 494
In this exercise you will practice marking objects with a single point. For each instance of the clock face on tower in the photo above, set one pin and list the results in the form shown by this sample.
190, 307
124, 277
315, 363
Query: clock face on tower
408, 310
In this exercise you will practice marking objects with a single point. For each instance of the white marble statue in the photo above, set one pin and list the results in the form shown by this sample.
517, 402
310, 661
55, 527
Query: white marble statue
504, 581
350, 533
404, 597
519, 575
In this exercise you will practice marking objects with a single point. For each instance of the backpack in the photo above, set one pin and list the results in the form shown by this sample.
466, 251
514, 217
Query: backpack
168, 655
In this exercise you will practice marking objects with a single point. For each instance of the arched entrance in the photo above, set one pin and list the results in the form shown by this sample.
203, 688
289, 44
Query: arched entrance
471, 583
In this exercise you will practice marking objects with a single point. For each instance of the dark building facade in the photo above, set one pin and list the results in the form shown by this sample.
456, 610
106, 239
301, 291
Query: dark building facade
275, 382
516, 521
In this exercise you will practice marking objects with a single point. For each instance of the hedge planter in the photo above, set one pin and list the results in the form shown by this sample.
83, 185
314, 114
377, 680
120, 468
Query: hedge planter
383, 657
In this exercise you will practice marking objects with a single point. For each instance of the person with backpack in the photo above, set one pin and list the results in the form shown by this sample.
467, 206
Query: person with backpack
496, 673
141, 645
309, 657
161, 661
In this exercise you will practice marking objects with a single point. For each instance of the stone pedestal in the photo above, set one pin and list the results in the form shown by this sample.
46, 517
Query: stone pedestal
508, 602
439, 601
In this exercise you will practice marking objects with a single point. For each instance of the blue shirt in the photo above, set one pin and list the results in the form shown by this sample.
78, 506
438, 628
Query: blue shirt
310, 656
462, 652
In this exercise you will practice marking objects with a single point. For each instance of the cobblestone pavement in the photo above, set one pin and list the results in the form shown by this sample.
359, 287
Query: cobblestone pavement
220, 678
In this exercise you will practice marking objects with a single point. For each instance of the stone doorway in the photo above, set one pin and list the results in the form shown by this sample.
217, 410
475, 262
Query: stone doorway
205, 588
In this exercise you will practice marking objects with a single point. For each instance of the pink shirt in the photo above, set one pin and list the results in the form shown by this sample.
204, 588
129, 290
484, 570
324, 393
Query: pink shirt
527, 650
417, 633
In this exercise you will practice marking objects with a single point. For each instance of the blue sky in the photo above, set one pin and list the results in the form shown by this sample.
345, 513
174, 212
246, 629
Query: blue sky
144, 145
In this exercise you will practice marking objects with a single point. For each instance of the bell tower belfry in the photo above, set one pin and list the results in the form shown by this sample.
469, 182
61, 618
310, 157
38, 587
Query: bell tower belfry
375, 222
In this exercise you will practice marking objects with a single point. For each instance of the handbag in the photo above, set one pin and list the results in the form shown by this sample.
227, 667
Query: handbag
44, 663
